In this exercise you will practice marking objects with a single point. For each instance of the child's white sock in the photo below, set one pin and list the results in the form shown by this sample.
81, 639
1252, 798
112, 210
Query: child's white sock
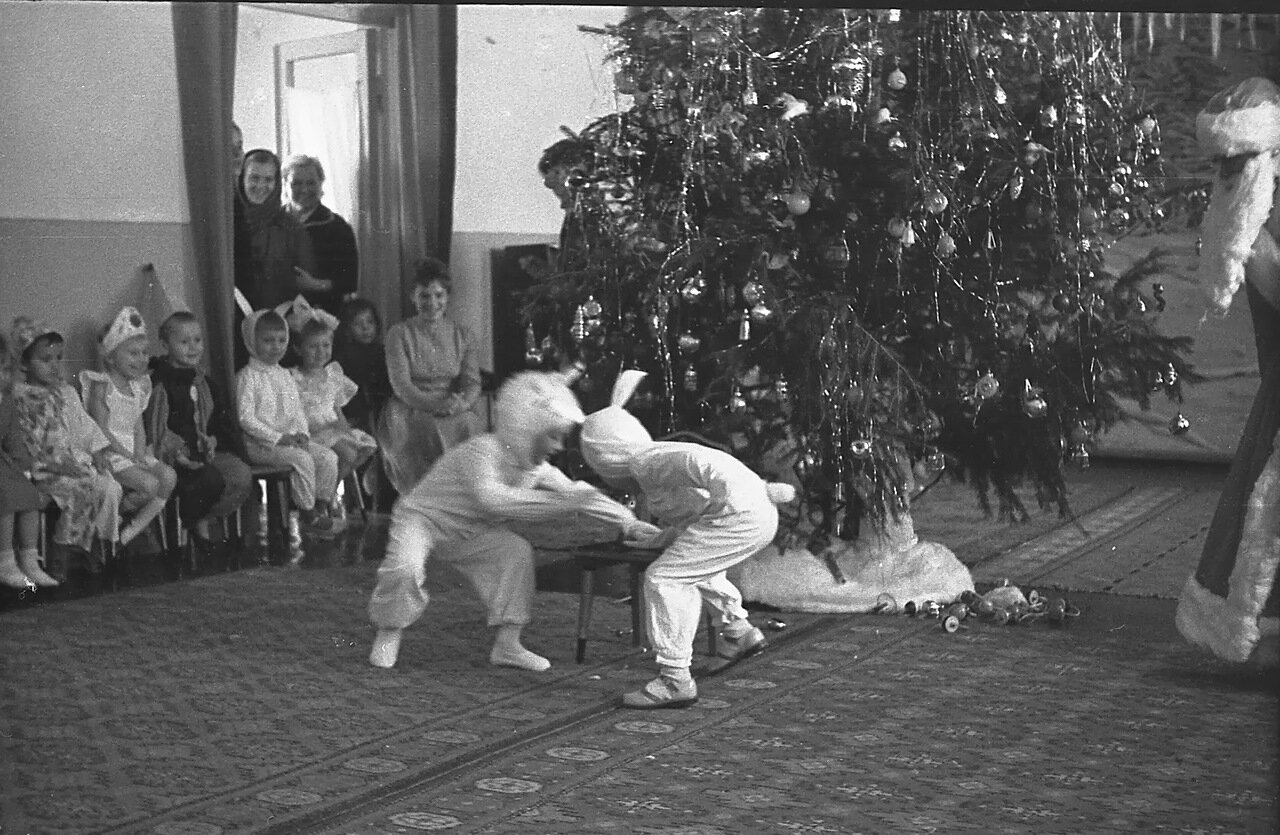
29, 562
679, 675
10, 574
509, 652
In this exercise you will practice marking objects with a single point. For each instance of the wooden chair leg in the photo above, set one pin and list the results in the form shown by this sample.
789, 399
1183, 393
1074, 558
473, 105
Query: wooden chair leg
586, 595
353, 485
637, 605
277, 525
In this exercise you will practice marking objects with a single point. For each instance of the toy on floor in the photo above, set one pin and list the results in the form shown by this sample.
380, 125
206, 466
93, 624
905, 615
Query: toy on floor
1003, 605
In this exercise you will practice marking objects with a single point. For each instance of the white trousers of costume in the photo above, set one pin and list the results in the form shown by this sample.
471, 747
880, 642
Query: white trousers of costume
690, 574
497, 563
315, 469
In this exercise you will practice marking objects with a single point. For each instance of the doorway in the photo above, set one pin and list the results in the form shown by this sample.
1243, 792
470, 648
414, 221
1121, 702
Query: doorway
309, 80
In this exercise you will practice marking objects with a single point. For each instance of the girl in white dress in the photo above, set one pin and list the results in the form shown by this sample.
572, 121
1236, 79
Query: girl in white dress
116, 398
325, 389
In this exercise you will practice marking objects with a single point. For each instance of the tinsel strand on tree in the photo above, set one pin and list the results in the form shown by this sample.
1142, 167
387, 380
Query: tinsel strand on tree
870, 240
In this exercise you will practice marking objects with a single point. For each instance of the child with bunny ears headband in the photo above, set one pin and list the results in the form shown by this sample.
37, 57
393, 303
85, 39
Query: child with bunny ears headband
718, 513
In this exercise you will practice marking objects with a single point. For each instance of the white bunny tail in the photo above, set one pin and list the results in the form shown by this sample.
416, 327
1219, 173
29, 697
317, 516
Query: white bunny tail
625, 386
780, 492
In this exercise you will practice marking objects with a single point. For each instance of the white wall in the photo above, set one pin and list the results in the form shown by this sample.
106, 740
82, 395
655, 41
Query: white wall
91, 173
522, 72
89, 126
257, 33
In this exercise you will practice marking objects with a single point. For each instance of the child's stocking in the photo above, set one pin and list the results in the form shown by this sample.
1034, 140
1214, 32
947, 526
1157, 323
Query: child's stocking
139, 523
29, 562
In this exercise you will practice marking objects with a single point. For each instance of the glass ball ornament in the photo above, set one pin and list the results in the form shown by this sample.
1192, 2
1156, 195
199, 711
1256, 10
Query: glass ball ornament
883, 116
1049, 116
1116, 190
694, 289
946, 245
1171, 375
860, 448
1179, 425
896, 227
1033, 152
1147, 124
987, 386
737, 403
897, 144
935, 203
896, 80
798, 203
591, 308
1118, 218
1122, 171
752, 292
761, 313
688, 344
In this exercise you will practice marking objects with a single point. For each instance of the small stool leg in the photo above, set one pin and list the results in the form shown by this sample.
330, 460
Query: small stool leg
637, 605
277, 526
711, 632
586, 594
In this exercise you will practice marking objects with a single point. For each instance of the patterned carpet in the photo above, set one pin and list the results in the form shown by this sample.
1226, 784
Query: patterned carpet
242, 703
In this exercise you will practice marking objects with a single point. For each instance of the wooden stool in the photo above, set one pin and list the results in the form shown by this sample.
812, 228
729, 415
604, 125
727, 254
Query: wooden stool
275, 480
590, 558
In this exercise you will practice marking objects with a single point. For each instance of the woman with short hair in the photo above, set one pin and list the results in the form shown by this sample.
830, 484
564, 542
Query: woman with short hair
332, 239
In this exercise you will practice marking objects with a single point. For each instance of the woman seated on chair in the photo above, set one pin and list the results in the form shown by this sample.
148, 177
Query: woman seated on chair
435, 383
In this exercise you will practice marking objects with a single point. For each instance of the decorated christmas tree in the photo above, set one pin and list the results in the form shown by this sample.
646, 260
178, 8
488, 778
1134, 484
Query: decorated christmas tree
867, 247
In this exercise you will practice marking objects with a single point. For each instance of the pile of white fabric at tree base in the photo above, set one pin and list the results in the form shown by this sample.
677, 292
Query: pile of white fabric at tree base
893, 561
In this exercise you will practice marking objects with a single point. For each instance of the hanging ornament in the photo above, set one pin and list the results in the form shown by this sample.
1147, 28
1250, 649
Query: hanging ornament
691, 379
737, 403
532, 353
1049, 116
896, 80
860, 448
744, 325
897, 144
987, 386
761, 313
1015, 185
1080, 455
1171, 375
1000, 96
946, 245
752, 292
935, 203
896, 227
1033, 402
1033, 152
780, 388
1157, 290
798, 202
908, 236
1179, 425
791, 106
591, 308
1118, 218
693, 289
578, 330
1158, 382
688, 344
1147, 125
883, 116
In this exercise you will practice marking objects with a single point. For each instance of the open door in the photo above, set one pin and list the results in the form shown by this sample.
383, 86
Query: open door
329, 106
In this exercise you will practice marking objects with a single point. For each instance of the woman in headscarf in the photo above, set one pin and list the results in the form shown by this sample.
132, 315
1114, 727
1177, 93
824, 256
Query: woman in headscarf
462, 512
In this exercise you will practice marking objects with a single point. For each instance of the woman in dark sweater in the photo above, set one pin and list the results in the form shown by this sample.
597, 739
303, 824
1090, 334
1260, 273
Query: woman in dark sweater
332, 239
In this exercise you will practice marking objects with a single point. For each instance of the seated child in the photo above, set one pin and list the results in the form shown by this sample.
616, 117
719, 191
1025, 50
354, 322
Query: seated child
719, 513
325, 390
274, 423
116, 399
68, 448
20, 502
191, 424
358, 347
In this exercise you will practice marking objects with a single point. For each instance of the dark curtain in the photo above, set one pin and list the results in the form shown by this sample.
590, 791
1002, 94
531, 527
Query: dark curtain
204, 40
427, 38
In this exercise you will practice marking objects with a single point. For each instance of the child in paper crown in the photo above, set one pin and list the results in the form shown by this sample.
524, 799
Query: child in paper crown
461, 510
117, 398
720, 513
274, 423
67, 447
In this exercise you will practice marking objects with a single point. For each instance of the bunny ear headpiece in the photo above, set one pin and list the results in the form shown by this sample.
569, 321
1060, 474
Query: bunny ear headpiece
531, 403
613, 436
301, 312
250, 325
127, 325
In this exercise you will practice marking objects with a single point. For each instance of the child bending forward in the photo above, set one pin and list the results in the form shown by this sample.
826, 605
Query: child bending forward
719, 513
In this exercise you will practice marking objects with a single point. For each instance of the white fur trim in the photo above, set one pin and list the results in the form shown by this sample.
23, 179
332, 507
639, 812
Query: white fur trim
1236, 217
1234, 132
1231, 627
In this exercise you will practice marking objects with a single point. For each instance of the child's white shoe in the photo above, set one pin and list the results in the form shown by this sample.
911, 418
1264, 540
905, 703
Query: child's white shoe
520, 658
386, 647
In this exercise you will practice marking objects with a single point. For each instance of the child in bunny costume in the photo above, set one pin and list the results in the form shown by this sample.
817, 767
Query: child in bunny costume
718, 513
